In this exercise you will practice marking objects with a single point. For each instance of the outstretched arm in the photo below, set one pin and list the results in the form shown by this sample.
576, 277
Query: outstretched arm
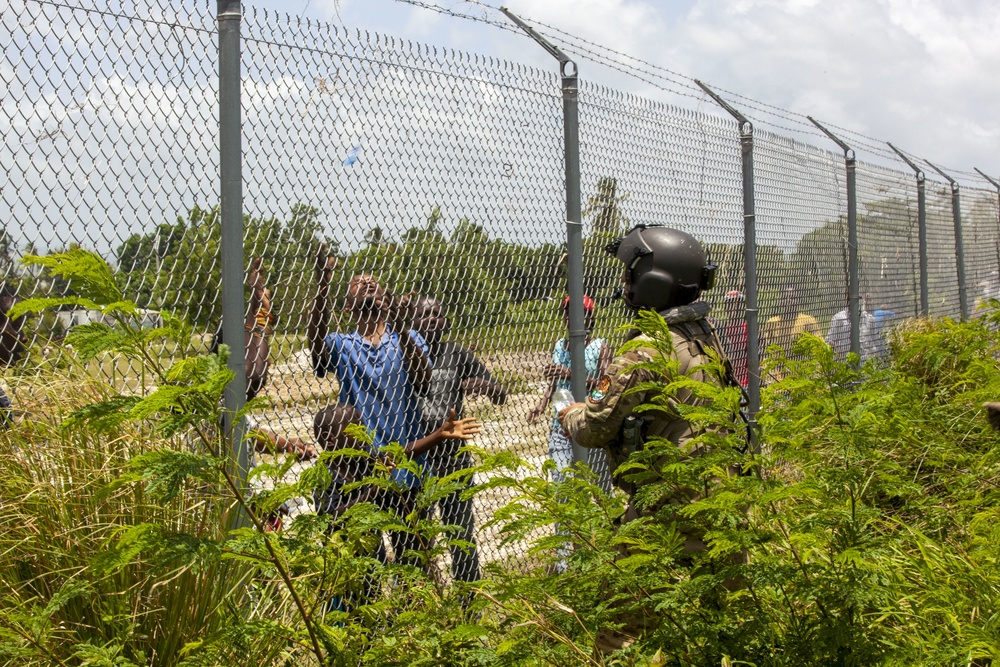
597, 421
267, 440
318, 324
451, 429
485, 386
477, 381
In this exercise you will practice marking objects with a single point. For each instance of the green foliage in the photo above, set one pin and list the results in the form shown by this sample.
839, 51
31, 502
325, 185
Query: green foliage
864, 531
479, 277
176, 265
164, 507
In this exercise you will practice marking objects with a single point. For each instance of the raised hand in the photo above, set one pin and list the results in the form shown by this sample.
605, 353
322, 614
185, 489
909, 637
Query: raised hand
306, 451
398, 311
535, 413
255, 278
462, 429
324, 266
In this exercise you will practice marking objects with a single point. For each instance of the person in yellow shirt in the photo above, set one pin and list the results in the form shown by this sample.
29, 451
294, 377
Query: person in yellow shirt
785, 327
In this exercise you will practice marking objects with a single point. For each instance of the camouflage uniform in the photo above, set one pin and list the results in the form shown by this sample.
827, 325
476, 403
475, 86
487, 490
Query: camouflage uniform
606, 415
600, 423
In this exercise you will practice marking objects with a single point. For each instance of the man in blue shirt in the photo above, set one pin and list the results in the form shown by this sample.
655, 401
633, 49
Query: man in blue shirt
380, 366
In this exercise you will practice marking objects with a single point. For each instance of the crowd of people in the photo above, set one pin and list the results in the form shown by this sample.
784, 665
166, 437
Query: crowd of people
406, 384
785, 327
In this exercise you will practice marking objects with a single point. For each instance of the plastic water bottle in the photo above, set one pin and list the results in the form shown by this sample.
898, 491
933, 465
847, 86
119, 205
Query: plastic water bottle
562, 398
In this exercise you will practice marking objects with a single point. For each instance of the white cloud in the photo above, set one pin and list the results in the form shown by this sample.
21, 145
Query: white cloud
910, 71
915, 72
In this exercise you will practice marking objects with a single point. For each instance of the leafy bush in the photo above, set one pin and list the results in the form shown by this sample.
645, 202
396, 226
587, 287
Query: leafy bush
135, 540
863, 532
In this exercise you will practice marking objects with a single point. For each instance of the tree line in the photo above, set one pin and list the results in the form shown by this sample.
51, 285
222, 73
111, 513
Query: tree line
481, 278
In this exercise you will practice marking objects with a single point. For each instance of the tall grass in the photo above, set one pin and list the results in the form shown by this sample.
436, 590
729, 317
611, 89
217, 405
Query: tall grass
62, 513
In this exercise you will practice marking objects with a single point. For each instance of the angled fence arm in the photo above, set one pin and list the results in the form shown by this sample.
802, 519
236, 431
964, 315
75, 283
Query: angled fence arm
749, 265
921, 228
956, 216
574, 217
853, 270
996, 185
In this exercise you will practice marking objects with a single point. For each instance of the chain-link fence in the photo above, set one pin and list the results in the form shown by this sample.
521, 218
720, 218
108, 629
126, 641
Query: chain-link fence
439, 173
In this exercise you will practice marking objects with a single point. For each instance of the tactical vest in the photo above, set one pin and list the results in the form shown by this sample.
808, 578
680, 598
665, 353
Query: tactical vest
691, 340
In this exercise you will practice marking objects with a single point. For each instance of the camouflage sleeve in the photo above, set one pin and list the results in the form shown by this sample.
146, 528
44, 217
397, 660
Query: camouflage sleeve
597, 423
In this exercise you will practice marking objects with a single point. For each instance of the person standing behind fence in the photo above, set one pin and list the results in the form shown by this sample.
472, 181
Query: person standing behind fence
839, 335
13, 343
784, 328
456, 373
380, 367
733, 334
596, 357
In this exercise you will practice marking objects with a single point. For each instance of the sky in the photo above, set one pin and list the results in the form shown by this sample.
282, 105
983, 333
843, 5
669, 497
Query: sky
110, 121
915, 73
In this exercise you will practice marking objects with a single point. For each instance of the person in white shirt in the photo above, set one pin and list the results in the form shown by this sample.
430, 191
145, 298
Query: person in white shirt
839, 335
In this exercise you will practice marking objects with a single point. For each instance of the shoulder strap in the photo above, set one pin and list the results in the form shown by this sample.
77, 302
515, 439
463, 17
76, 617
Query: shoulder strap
728, 377
706, 330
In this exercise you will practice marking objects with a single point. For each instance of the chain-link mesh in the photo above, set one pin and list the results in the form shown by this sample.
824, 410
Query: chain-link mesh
982, 246
437, 172
888, 244
942, 268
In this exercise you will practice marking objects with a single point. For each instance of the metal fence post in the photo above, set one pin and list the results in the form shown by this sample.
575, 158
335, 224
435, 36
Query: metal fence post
749, 266
853, 270
956, 216
231, 218
574, 223
921, 229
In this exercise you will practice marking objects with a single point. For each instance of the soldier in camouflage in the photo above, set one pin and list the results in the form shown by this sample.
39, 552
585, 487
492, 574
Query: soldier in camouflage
665, 270
606, 419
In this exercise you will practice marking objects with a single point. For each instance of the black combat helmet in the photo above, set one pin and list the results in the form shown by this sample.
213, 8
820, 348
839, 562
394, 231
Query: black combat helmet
664, 267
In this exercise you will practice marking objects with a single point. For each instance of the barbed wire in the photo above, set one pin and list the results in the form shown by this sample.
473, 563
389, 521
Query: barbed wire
123, 16
470, 17
646, 71
771, 110
598, 52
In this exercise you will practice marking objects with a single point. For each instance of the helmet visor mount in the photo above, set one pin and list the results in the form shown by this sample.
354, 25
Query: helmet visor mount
629, 249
